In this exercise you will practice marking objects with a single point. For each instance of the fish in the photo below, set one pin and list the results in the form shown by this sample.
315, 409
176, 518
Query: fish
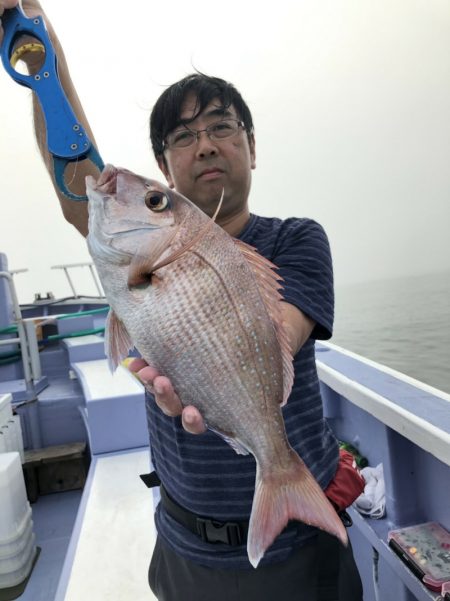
204, 309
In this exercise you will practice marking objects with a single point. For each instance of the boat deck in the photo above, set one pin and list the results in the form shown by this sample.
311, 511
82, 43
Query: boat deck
114, 533
54, 519
97, 543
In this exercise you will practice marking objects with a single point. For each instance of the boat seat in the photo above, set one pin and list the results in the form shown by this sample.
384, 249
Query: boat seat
115, 407
85, 348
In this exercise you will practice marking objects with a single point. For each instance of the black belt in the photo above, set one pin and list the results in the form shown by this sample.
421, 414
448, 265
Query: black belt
210, 531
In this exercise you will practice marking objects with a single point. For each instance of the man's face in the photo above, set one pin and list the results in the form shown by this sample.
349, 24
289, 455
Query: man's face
201, 171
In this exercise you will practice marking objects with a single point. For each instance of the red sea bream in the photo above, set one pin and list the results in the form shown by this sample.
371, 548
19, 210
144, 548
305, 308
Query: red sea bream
204, 310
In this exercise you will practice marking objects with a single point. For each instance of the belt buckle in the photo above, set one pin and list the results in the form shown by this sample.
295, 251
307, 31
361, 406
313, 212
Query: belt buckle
212, 531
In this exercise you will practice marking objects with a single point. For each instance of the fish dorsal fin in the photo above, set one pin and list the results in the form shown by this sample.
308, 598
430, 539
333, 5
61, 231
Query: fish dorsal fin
117, 341
269, 283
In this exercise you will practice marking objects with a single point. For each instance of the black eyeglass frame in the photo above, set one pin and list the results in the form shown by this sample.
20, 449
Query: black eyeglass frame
196, 133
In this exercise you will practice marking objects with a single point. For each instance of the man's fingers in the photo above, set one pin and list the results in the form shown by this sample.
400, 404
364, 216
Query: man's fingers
192, 420
170, 404
158, 385
165, 396
4, 4
136, 364
144, 372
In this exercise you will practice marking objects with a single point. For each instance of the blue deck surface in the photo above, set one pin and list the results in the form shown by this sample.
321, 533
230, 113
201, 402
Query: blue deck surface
54, 517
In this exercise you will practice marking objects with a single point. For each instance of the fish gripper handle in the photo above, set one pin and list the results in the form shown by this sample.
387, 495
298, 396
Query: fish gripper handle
67, 140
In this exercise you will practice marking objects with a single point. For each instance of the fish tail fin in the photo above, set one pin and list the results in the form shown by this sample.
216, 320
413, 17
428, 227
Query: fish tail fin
292, 495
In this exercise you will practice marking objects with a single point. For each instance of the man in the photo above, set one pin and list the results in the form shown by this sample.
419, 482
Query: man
203, 140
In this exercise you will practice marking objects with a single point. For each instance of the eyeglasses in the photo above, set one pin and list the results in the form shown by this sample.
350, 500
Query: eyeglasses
219, 130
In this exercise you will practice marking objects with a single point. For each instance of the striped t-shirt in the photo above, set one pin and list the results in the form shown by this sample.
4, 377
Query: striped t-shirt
202, 472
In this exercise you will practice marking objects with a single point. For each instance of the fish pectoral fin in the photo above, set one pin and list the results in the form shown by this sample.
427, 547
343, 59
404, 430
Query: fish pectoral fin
143, 264
193, 241
270, 284
117, 341
140, 272
234, 444
149, 258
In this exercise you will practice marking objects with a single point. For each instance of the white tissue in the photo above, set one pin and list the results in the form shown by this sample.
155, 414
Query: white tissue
372, 502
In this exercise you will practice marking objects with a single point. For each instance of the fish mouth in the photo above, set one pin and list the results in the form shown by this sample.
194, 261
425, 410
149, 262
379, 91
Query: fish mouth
134, 230
107, 181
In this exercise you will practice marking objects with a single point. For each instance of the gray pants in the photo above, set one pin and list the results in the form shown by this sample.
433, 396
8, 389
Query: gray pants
322, 570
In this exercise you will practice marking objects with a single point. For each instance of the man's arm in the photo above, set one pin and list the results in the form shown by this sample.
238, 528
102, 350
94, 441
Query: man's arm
298, 326
74, 211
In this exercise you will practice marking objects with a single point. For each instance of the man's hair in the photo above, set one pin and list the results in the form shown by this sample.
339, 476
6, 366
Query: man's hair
165, 116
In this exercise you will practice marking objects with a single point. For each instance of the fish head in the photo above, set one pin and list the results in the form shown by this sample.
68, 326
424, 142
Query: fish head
134, 224
126, 210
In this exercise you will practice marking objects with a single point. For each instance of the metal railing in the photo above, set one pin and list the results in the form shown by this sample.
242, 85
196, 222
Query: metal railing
26, 336
65, 267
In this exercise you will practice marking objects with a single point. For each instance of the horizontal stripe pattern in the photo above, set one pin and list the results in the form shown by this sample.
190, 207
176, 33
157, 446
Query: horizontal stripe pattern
203, 473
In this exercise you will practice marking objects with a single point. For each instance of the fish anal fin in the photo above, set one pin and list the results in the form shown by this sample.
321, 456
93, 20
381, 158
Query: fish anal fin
228, 438
117, 341
270, 284
291, 494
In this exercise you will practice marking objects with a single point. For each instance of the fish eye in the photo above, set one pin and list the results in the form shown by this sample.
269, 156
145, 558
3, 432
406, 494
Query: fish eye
156, 201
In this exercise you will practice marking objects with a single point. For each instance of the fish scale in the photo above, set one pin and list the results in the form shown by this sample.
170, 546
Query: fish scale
205, 343
205, 311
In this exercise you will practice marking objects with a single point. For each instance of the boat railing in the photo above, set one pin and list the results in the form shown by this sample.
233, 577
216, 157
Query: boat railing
402, 425
387, 404
23, 334
66, 266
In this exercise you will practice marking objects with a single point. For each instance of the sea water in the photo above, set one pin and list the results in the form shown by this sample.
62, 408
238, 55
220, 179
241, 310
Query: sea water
403, 323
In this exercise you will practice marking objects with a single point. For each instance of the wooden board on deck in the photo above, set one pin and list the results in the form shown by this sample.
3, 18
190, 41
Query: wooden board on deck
55, 469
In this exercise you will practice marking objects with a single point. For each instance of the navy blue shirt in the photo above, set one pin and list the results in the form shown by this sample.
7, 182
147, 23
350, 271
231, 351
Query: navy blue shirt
202, 472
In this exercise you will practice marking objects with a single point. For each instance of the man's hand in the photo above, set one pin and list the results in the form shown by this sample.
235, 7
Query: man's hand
31, 8
5, 4
166, 398
74, 212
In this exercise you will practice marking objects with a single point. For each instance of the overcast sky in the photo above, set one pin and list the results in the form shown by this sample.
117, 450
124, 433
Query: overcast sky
350, 100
